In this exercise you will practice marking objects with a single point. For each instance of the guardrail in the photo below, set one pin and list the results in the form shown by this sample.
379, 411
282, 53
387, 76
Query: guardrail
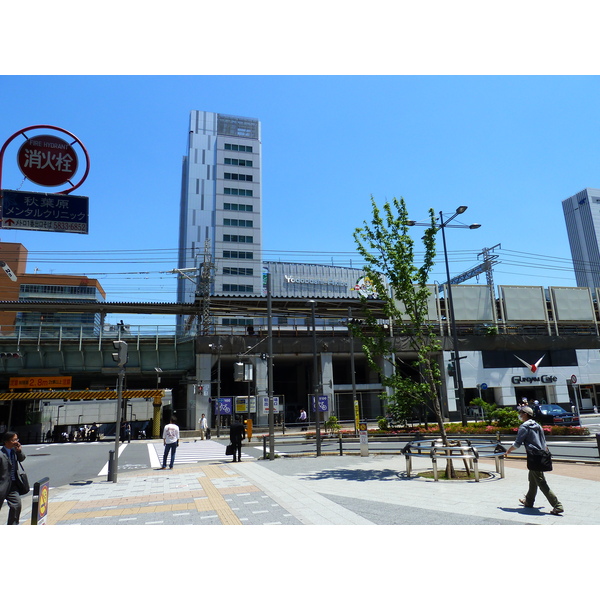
463, 450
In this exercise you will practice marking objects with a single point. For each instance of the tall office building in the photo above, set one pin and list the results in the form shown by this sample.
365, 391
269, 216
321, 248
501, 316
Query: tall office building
582, 216
221, 204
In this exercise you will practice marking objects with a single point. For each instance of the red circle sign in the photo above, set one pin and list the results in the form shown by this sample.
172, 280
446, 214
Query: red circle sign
47, 160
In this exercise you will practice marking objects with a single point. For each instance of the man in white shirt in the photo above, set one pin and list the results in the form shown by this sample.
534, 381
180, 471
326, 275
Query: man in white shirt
202, 425
170, 441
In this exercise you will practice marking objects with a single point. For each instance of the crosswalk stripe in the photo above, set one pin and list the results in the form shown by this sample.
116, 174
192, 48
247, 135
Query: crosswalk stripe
191, 452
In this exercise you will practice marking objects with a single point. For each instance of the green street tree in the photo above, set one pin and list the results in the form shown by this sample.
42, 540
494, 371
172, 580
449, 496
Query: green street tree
388, 252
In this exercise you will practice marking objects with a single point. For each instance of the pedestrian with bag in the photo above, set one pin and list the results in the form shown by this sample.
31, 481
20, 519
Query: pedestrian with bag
170, 441
12, 487
236, 434
539, 460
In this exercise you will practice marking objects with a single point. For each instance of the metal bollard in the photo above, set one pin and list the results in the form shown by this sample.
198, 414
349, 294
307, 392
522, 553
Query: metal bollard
264, 448
111, 464
598, 442
341, 449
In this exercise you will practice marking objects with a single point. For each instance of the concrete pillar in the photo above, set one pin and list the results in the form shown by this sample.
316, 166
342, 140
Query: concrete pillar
199, 393
327, 380
262, 389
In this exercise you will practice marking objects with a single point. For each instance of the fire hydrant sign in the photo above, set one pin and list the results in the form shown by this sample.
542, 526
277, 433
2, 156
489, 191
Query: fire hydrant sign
47, 160
39, 211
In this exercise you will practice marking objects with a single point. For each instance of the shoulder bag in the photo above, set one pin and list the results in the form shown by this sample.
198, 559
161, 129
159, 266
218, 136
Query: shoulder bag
22, 481
540, 460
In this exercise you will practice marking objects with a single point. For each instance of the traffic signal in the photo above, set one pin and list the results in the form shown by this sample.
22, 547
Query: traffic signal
11, 355
451, 369
120, 357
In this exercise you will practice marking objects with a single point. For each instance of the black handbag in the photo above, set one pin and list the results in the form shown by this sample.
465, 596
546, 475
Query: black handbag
22, 481
541, 460
229, 450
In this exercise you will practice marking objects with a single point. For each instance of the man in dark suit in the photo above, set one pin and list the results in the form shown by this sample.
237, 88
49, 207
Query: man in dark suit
236, 434
10, 453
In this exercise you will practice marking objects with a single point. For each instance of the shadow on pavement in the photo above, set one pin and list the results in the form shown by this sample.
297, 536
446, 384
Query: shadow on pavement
355, 474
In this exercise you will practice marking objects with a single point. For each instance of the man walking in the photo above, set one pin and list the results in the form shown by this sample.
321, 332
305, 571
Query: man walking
170, 441
202, 425
236, 434
532, 436
10, 453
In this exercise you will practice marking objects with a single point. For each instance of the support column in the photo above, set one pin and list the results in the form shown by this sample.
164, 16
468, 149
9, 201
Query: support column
261, 381
327, 381
199, 394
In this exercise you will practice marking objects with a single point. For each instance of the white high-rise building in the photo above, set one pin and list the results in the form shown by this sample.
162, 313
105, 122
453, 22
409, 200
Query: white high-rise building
221, 204
582, 216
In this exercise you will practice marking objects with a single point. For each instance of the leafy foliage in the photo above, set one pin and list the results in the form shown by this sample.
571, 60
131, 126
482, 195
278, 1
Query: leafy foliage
502, 416
389, 255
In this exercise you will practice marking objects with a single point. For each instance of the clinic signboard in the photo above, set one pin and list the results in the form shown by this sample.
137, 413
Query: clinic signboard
48, 161
38, 211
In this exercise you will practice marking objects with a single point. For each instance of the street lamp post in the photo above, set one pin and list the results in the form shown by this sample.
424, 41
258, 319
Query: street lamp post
270, 383
312, 304
460, 392
218, 348
457, 370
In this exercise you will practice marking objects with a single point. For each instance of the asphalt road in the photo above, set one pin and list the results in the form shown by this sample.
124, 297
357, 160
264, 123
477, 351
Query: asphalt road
73, 463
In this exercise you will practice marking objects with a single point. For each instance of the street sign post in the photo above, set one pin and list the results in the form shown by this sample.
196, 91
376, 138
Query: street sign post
38, 211
363, 436
39, 501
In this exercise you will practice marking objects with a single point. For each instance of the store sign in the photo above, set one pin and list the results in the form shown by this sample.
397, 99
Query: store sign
517, 379
290, 279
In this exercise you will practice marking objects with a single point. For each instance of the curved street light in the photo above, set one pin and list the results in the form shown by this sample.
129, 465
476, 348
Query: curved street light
458, 382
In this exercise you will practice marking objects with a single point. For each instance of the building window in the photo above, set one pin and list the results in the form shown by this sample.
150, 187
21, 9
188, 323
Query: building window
238, 176
238, 162
246, 272
237, 192
241, 239
246, 322
238, 207
238, 148
236, 287
237, 223
238, 254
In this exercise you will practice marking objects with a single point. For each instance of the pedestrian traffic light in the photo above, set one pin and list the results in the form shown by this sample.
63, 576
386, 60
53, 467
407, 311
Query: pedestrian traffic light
11, 355
120, 357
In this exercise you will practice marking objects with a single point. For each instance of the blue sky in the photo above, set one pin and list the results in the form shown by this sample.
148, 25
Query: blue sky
511, 148
444, 105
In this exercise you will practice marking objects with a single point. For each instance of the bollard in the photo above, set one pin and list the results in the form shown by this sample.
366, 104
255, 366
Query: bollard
265, 447
111, 463
598, 442
341, 449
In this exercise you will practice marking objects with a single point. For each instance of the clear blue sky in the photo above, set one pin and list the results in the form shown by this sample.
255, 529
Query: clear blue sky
511, 148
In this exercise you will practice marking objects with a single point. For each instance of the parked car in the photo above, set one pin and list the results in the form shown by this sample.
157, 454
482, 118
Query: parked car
552, 414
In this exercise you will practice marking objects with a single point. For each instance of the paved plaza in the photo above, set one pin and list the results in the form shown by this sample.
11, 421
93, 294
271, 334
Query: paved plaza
326, 490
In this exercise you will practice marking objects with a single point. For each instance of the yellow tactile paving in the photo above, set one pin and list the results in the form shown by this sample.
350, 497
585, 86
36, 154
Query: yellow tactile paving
58, 510
215, 497
209, 498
